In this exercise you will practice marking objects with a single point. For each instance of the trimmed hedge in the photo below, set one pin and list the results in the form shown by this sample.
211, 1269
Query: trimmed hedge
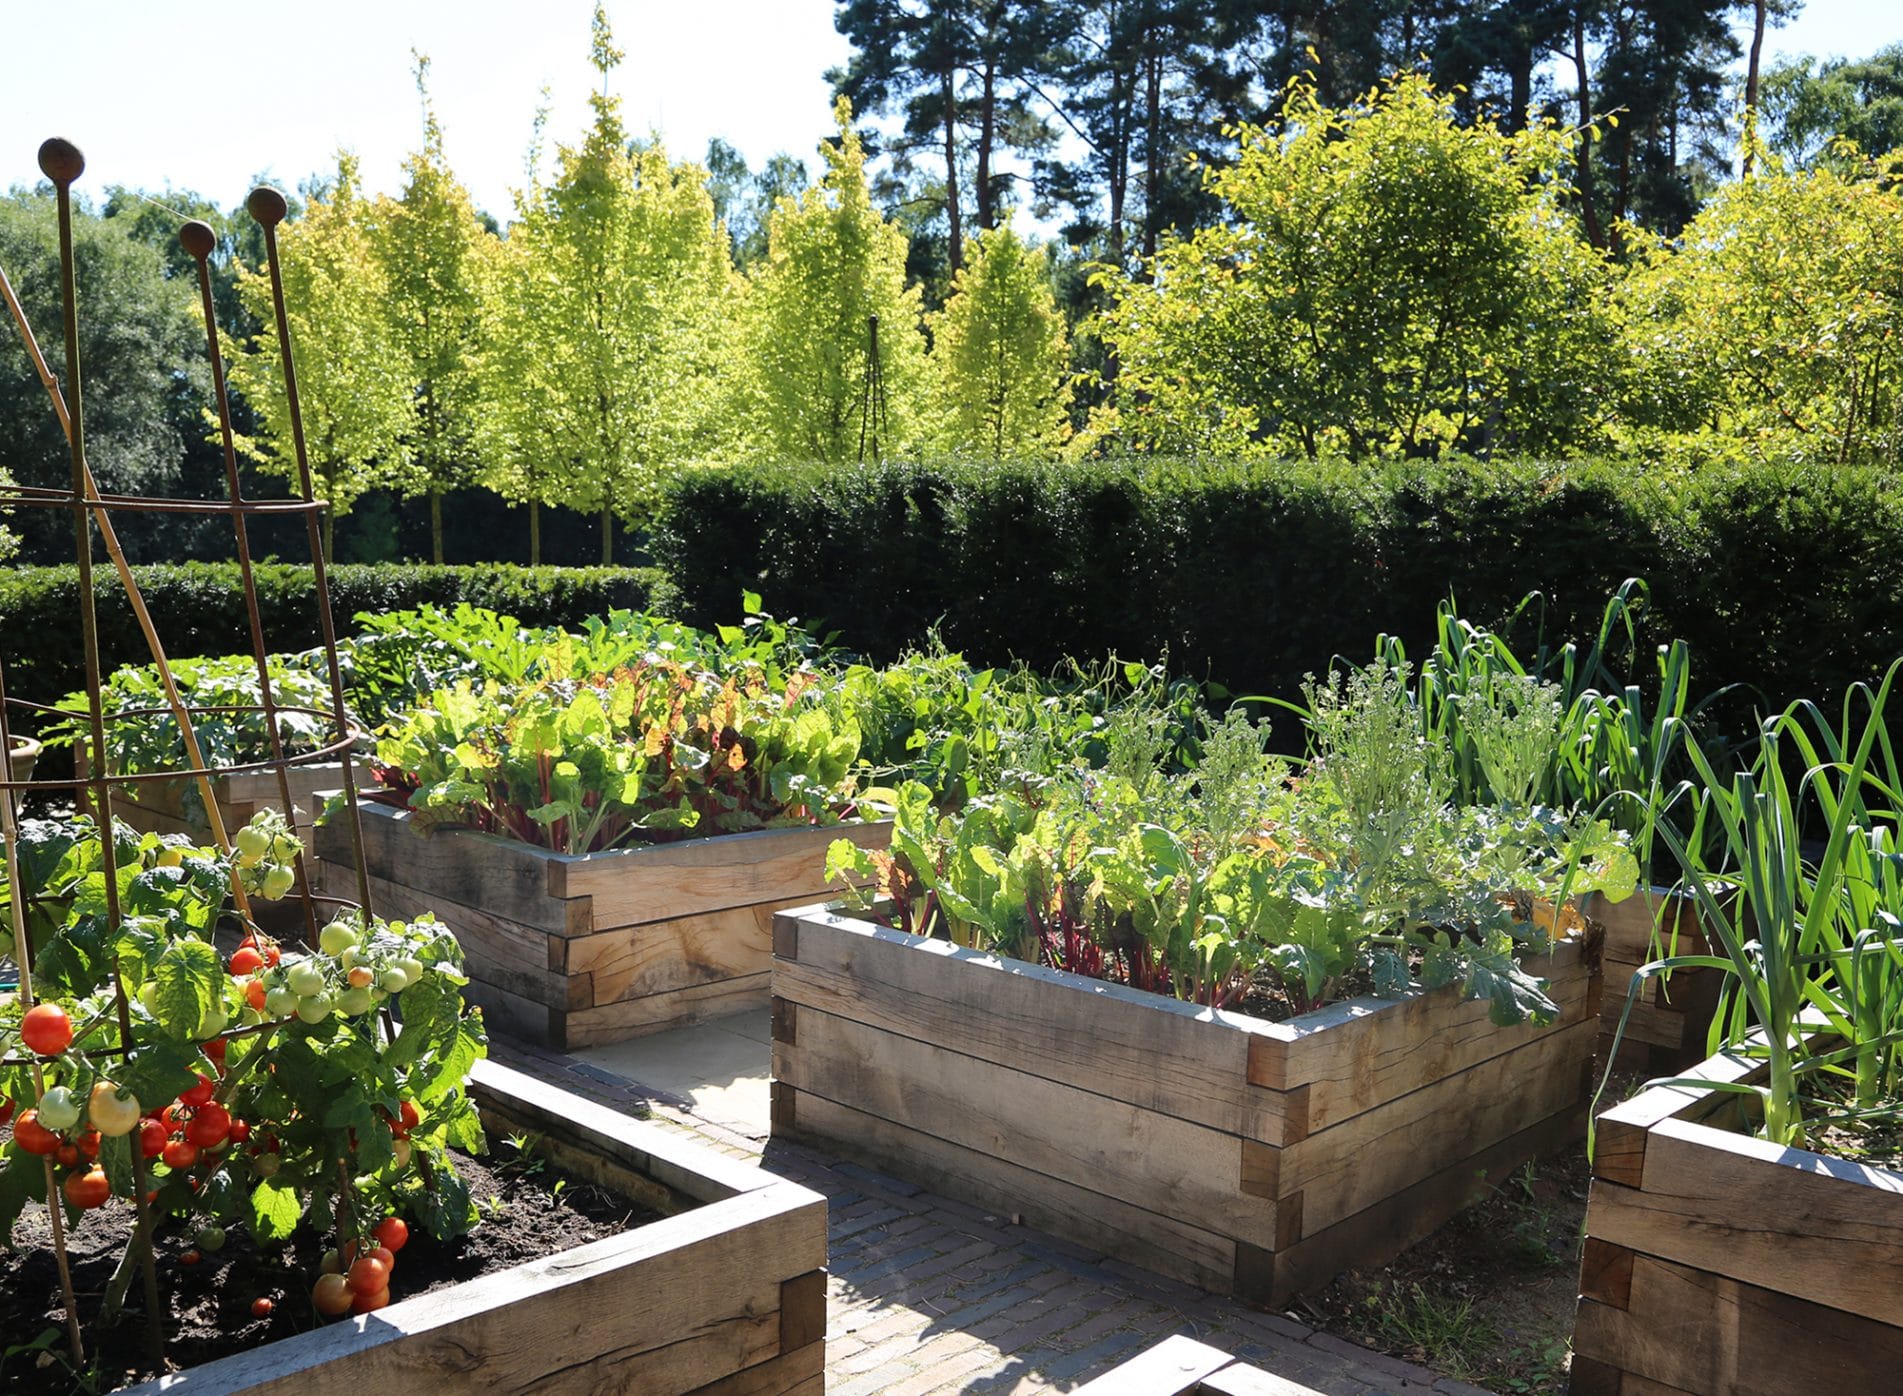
199, 609
1785, 578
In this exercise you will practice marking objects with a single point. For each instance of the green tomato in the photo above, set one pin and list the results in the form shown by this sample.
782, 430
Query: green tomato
314, 1008
266, 1165
305, 979
59, 1109
336, 938
215, 1021
149, 999
285, 848
282, 1002
412, 969
392, 979
253, 843
352, 1002
277, 883
211, 1238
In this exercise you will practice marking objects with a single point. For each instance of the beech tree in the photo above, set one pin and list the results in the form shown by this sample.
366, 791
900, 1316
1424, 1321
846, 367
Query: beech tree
352, 375
1000, 351
437, 259
609, 324
832, 263
1384, 281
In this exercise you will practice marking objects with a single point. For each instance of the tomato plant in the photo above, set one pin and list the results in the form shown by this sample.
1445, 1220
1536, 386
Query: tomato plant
282, 1087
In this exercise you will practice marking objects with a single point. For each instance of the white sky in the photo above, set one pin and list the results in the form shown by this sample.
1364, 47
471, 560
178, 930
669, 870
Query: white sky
205, 97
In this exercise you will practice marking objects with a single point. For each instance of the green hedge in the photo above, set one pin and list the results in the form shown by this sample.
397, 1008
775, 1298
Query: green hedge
199, 608
1789, 579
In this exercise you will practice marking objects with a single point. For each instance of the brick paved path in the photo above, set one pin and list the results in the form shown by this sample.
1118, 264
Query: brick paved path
929, 1295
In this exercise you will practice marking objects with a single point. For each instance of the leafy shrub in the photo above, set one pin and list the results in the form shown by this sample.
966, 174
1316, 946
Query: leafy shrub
199, 608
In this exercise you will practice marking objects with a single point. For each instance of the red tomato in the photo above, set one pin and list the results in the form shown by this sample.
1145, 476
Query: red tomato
152, 1138
178, 1154
247, 960
67, 1156
368, 1275
87, 1190
88, 1142
393, 1233
240, 1131
254, 994
209, 1126
331, 1295
271, 955
371, 1302
6, 1108
200, 1093
33, 1136
189, 1257
384, 1256
261, 1307
46, 1030
215, 1049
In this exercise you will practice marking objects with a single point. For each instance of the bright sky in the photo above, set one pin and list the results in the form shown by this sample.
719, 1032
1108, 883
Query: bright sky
206, 97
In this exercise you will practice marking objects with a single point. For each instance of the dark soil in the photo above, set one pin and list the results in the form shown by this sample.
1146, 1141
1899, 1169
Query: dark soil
528, 1211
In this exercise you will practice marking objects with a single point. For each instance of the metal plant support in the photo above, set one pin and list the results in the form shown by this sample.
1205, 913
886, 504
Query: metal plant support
92, 511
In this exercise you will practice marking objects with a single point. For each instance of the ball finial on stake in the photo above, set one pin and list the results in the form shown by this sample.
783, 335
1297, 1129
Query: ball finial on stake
60, 161
198, 239
267, 205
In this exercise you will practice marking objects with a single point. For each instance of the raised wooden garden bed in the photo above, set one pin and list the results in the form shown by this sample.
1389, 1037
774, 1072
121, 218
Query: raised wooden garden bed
1715, 1262
163, 807
1247, 1157
572, 950
1668, 1026
725, 1296
1182, 1366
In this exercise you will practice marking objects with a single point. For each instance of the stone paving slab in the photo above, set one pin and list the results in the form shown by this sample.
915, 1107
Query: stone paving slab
928, 1296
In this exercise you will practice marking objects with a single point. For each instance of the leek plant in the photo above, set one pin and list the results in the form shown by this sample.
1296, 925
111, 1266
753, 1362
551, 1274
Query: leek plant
1810, 935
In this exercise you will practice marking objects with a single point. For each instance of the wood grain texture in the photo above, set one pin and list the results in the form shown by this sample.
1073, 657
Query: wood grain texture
617, 1022
1691, 1331
633, 886
1021, 1120
662, 956
1120, 1043
1797, 1223
1605, 1273
674, 1305
1146, 1238
799, 1373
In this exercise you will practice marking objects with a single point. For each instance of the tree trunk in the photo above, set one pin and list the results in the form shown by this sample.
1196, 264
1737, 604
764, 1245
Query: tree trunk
535, 533
436, 526
1153, 139
947, 89
1522, 78
607, 535
1758, 14
987, 133
1594, 233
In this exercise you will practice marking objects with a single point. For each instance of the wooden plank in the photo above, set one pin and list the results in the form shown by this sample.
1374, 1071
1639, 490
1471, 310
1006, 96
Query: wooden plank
1130, 1233
681, 1164
1242, 1379
803, 1310
1817, 1228
1620, 1134
1363, 1160
1174, 1367
505, 878
799, 1373
500, 952
1355, 1055
511, 1013
633, 886
1690, 1330
1093, 1143
1377, 1234
631, 962
617, 1022
1146, 1051
670, 1306
1605, 1273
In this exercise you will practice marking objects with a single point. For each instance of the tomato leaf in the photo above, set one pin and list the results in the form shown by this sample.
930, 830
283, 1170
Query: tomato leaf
274, 1211
190, 978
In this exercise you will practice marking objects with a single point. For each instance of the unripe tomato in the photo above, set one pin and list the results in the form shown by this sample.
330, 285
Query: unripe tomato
170, 856
400, 1152
412, 969
211, 1238
33, 1136
152, 1138
278, 882
253, 843
282, 1001
46, 1030
353, 1002
113, 1112
368, 1274
179, 1154
59, 1108
215, 1021
392, 1233
330, 1295
266, 1165
305, 979
315, 1009
200, 1093
336, 938
245, 961
88, 1189
370, 1303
